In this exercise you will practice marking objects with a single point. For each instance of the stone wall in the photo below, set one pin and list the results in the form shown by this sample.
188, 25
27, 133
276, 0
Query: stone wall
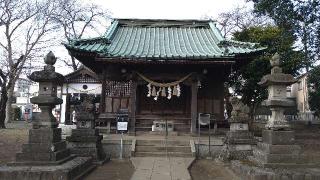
112, 148
202, 148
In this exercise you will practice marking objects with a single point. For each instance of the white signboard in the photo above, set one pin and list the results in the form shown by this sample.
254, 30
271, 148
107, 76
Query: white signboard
122, 126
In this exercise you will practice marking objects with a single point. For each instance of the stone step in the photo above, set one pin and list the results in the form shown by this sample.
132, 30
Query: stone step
85, 166
247, 170
180, 128
150, 124
185, 149
147, 121
162, 154
307, 136
144, 129
162, 142
76, 168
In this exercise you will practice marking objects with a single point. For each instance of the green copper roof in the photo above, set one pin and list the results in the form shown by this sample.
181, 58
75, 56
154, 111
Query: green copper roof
163, 39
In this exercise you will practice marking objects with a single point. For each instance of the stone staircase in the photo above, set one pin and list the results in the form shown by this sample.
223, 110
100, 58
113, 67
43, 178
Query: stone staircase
158, 148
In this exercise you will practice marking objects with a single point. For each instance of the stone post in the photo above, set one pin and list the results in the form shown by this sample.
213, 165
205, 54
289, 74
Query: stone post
85, 140
239, 139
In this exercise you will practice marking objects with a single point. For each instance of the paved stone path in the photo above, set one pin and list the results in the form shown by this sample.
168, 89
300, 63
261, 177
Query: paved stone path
161, 168
112, 170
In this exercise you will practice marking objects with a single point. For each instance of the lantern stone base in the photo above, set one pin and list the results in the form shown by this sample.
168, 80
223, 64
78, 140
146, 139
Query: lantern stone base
87, 142
46, 156
239, 144
239, 140
44, 147
277, 157
276, 148
69, 170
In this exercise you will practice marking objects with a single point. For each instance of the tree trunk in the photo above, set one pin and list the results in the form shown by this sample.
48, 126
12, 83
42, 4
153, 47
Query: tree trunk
74, 65
9, 104
3, 105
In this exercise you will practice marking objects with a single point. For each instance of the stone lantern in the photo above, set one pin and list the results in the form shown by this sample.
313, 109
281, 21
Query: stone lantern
278, 148
45, 155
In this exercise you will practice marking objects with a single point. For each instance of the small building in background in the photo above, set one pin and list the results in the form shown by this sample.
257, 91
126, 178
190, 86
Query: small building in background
300, 92
23, 91
77, 83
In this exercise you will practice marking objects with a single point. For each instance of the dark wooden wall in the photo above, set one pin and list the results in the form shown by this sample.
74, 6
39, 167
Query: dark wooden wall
174, 106
113, 104
211, 98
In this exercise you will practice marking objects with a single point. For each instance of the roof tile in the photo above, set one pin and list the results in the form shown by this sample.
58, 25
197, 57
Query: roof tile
163, 40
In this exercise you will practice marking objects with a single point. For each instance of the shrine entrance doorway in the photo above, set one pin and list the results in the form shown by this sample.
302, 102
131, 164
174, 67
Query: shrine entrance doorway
174, 111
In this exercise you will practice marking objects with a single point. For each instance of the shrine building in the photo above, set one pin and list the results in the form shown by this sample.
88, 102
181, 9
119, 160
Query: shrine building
162, 70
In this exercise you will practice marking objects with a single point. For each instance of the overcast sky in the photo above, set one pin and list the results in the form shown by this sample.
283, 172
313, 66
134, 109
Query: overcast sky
159, 9
168, 9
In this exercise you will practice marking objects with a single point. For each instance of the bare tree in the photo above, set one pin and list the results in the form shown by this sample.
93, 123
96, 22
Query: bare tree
76, 19
24, 26
240, 18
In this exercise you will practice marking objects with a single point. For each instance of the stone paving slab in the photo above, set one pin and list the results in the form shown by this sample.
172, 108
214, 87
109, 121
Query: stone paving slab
160, 168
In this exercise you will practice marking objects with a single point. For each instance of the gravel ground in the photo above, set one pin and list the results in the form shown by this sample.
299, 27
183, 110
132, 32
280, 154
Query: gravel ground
11, 140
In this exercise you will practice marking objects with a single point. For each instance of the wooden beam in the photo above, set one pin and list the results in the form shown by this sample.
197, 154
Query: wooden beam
133, 104
194, 107
102, 107
67, 119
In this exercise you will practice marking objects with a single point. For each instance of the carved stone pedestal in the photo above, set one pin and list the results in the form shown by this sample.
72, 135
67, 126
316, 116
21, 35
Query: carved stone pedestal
44, 147
239, 140
277, 149
87, 142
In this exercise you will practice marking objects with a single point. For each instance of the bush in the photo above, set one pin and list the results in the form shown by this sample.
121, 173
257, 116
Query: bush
16, 113
314, 90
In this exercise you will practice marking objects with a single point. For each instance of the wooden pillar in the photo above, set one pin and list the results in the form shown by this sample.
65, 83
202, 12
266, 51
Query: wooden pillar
67, 119
133, 101
102, 107
194, 107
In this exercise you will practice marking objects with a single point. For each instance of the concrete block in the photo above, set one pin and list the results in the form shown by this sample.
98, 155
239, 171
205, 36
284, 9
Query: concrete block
84, 138
85, 132
44, 135
279, 149
43, 147
297, 176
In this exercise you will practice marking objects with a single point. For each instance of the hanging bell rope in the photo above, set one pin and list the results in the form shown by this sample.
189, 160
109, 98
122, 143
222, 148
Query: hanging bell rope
154, 83
155, 89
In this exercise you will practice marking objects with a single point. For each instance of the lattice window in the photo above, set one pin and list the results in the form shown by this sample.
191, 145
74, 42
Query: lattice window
118, 89
82, 79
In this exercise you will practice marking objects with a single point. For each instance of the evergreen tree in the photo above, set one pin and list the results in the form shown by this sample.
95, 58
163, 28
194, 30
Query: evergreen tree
314, 90
245, 80
298, 20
